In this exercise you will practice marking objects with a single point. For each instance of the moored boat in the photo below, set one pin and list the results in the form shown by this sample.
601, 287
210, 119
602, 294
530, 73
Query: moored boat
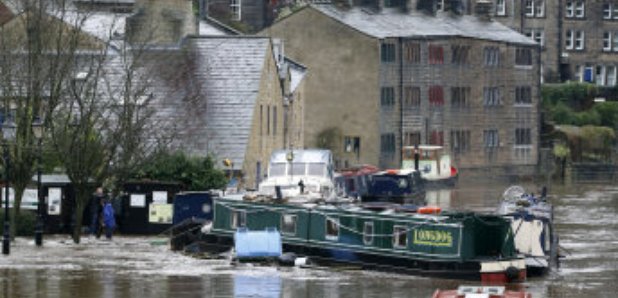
531, 219
458, 245
434, 165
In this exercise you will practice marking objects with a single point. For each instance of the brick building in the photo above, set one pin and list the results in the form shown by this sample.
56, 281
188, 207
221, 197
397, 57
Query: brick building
380, 79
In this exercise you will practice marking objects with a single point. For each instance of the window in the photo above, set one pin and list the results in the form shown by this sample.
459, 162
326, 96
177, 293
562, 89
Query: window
274, 120
387, 96
579, 40
439, 5
523, 57
368, 233
610, 41
460, 54
607, 41
316, 169
574, 39
600, 75
437, 138
459, 97
436, 54
412, 138
523, 95
261, 120
412, 97
351, 144
610, 11
490, 138
288, 224
523, 137
491, 56
611, 75
413, 52
387, 52
268, 120
239, 219
387, 143
332, 229
460, 140
400, 237
575, 9
389, 3
491, 96
500, 7
536, 34
535, 8
235, 6
436, 96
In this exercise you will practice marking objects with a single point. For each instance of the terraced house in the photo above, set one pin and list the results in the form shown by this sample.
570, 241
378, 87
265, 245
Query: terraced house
385, 78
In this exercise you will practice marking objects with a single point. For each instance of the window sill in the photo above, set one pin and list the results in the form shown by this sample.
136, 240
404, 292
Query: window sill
526, 67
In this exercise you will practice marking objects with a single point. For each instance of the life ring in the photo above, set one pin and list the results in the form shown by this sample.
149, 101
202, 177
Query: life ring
429, 210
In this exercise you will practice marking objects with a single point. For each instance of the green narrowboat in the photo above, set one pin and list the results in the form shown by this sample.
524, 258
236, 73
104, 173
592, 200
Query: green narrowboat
464, 245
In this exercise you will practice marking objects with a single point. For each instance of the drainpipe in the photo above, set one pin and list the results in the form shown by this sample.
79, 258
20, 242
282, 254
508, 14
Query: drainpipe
400, 100
559, 41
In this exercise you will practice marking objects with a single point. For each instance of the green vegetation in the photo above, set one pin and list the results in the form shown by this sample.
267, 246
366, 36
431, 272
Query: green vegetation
573, 104
195, 173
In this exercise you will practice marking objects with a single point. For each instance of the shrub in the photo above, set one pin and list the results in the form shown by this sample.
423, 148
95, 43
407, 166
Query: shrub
25, 222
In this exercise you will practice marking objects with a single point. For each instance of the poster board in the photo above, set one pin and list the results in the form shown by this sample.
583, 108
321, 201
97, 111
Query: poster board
55, 201
160, 213
138, 201
159, 197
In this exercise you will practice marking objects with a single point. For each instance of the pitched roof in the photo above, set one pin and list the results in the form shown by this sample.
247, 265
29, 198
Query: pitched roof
229, 71
394, 23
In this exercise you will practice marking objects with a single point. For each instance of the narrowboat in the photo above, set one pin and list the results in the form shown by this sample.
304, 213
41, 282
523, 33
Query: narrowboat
481, 292
434, 165
462, 245
531, 220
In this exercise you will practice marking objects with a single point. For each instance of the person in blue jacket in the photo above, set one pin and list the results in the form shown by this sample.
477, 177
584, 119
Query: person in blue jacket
109, 221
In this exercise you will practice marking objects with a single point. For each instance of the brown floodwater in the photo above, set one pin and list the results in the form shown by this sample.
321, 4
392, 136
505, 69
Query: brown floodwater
585, 217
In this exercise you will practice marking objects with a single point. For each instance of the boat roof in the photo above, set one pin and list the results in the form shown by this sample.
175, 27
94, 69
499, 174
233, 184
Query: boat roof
424, 147
300, 156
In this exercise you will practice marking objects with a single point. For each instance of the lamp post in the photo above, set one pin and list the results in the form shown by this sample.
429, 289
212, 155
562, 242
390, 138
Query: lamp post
8, 133
37, 130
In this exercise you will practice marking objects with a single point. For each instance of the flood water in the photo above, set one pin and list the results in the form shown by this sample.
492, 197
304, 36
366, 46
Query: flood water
585, 215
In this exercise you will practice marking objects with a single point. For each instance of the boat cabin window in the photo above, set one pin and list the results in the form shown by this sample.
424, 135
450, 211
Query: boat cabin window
332, 229
297, 169
400, 237
239, 219
368, 233
288, 224
316, 169
277, 169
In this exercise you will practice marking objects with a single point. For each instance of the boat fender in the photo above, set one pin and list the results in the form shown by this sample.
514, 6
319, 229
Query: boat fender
512, 273
301, 262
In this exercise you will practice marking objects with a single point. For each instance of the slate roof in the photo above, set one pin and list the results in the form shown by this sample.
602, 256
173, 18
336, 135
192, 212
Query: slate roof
229, 71
394, 23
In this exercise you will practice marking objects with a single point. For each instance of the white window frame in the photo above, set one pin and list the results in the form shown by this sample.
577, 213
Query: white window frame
569, 9
293, 219
440, 5
239, 219
607, 11
615, 11
599, 72
580, 40
537, 35
335, 222
569, 39
501, 7
368, 238
236, 9
607, 41
539, 9
580, 9
491, 138
397, 233
611, 75
615, 41
529, 8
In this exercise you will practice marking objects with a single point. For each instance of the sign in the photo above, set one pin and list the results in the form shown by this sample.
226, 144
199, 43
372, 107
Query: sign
138, 200
55, 201
161, 213
433, 237
159, 197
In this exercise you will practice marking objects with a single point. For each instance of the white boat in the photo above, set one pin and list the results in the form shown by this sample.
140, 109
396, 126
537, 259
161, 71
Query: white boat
434, 164
299, 174
531, 220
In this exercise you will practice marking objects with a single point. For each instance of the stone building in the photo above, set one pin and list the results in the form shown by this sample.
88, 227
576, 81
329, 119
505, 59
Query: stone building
381, 79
